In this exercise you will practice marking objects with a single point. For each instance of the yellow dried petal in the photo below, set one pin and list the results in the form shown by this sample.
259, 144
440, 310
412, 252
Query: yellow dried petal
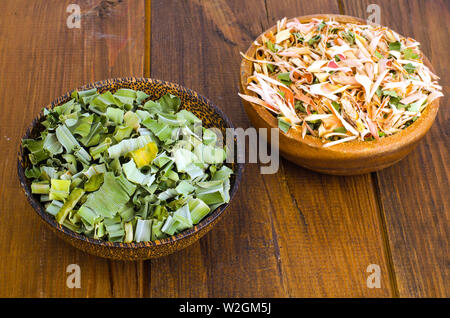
282, 35
145, 155
322, 76
361, 39
359, 125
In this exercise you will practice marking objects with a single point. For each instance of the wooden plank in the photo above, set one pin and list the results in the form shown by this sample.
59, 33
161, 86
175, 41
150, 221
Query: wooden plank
340, 228
294, 233
237, 258
148, 37
41, 58
414, 192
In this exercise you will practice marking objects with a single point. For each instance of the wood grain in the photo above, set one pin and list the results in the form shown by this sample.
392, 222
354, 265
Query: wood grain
41, 58
291, 234
341, 225
237, 258
414, 193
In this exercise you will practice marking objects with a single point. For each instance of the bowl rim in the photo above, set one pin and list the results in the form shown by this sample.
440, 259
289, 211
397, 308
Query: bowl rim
354, 148
38, 207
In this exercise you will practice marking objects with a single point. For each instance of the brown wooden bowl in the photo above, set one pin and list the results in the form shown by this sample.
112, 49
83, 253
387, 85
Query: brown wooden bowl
210, 115
350, 158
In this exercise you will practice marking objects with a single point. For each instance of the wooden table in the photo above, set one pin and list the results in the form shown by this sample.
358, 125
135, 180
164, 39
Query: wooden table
291, 234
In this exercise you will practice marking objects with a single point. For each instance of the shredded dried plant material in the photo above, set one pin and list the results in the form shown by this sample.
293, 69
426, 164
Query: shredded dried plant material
340, 82
122, 167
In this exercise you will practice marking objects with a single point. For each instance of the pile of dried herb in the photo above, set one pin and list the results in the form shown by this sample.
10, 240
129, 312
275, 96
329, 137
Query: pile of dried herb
340, 81
123, 168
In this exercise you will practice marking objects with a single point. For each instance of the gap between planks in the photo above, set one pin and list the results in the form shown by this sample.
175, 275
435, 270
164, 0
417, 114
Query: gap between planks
385, 237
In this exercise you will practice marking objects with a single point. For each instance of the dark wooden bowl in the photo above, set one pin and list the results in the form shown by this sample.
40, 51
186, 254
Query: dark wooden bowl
210, 115
350, 158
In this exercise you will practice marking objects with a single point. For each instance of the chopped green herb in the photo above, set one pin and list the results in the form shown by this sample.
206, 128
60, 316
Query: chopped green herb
33, 172
283, 125
113, 167
284, 76
336, 106
415, 107
299, 106
395, 46
390, 93
379, 92
314, 39
299, 37
334, 30
278, 47
321, 26
410, 68
378, 54
395, 101
340, 130
40, 188
349, 37
271, 46
409, 54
